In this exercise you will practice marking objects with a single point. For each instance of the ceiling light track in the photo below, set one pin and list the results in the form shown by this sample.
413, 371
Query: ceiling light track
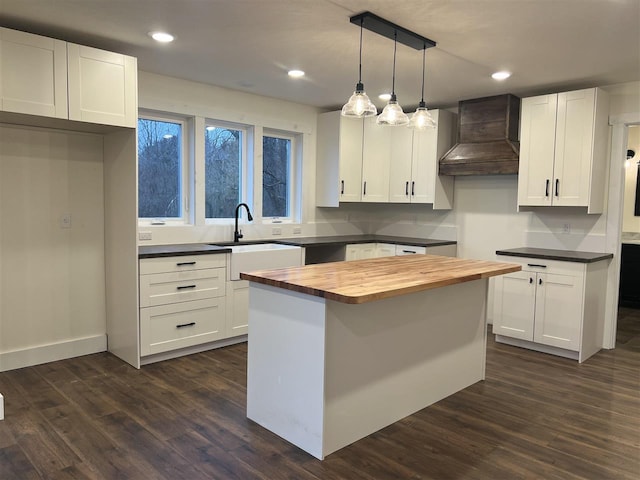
390, 30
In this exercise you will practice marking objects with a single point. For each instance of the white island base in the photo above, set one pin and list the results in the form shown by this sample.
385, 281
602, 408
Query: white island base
323, 374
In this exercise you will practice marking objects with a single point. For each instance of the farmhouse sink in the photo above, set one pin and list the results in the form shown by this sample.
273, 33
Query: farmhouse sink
262, 256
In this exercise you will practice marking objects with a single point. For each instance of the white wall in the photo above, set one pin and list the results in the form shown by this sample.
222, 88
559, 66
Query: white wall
167, 94
52, 279
631, 223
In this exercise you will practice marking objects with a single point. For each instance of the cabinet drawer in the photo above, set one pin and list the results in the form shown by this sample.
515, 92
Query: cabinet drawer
182, 263
544, 266
409, 250
165, 288
169, 327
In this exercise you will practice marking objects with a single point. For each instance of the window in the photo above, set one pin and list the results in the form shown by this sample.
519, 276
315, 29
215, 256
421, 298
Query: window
160, 169
277, 184
224, 165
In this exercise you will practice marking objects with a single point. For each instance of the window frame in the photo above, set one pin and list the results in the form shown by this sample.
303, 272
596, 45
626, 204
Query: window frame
294, 180
245, 170
185, 169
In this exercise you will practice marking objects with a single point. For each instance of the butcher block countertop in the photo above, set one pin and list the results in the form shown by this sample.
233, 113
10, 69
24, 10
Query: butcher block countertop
361, 281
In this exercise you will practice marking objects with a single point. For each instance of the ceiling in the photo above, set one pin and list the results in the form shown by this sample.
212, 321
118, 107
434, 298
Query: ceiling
249, 45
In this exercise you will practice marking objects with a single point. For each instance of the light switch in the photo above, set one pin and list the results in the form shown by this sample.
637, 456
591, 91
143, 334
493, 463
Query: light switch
65, 220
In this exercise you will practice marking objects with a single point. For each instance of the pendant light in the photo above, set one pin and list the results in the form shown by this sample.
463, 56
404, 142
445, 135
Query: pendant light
359, 104
392, 114
421, 118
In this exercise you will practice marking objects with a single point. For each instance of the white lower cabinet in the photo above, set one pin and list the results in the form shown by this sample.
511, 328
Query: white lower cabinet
180, 325
237, 308
553, 306
361, 251
182, 302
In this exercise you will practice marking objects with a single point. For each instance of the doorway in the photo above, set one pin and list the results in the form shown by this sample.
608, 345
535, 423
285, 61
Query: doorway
628, 327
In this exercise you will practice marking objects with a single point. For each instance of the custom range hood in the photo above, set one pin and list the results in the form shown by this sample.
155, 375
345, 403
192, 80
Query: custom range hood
487, 138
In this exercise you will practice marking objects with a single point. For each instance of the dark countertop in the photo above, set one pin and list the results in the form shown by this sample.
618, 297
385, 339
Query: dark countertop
155, 251
562, 255
349, 239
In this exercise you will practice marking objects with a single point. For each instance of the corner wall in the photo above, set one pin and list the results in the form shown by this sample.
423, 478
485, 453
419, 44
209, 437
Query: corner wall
52, 278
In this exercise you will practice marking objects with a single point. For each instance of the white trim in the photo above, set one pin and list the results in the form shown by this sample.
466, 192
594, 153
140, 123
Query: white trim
538, 347
159, 357
619, 135
28, 357
1, 407
186, 186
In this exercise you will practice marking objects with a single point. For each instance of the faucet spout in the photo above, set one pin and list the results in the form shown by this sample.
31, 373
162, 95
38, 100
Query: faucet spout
237, 234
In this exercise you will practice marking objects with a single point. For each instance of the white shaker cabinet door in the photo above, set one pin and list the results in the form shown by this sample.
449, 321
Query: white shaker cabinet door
558, 316
350, 158
375, 161
33, 74
400, 175
102, 86
574, 144
515, 305
537, 150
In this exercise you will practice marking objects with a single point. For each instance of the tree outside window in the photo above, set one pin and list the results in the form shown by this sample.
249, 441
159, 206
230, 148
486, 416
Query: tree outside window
223, 171
159, 169
276, 176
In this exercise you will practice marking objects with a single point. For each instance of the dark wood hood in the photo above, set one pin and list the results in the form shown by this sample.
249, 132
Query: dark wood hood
487, 138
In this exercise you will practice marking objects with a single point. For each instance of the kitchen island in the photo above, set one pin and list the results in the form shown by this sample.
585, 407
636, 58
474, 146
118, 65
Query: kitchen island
340, 350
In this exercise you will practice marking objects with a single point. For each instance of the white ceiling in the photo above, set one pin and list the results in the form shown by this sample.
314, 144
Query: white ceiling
248, 45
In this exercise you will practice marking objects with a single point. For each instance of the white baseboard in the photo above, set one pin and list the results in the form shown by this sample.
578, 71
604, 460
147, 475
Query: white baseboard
160, 357
538, 347
51, 352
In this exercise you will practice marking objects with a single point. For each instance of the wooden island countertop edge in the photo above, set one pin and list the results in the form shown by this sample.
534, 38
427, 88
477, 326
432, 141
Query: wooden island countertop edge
361, 281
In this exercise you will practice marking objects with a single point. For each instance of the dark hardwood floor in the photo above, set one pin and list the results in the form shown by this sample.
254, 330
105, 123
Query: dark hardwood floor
534, 417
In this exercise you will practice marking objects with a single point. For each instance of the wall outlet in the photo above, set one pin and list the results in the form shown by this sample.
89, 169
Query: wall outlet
297, 230
144, 236
566, 228
65, 220
276, 231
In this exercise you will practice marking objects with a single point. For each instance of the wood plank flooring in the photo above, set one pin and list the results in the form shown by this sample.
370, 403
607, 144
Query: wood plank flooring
535, 417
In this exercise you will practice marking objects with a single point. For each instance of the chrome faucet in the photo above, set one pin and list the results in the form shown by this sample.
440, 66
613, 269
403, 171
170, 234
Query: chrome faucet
237, 234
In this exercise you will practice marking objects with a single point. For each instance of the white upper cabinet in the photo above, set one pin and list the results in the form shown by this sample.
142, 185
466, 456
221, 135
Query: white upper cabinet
338, 160
33, 74
376, 151
563, 150
388, 164
413, 176
102, 86
52, 78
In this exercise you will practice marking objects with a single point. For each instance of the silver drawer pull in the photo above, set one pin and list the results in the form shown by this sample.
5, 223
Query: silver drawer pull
184, 287
182, 264
191, 324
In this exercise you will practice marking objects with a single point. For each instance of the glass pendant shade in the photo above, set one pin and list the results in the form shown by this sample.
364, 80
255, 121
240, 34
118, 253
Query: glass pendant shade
392, 114
421, 118
359, 104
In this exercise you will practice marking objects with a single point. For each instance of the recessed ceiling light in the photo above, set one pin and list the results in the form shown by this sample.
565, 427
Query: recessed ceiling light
385, 97
295, 73
503, 75
162, 37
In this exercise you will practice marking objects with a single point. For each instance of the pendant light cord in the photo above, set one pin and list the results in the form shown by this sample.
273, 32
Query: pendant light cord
393, 78
360, 61
424, 50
